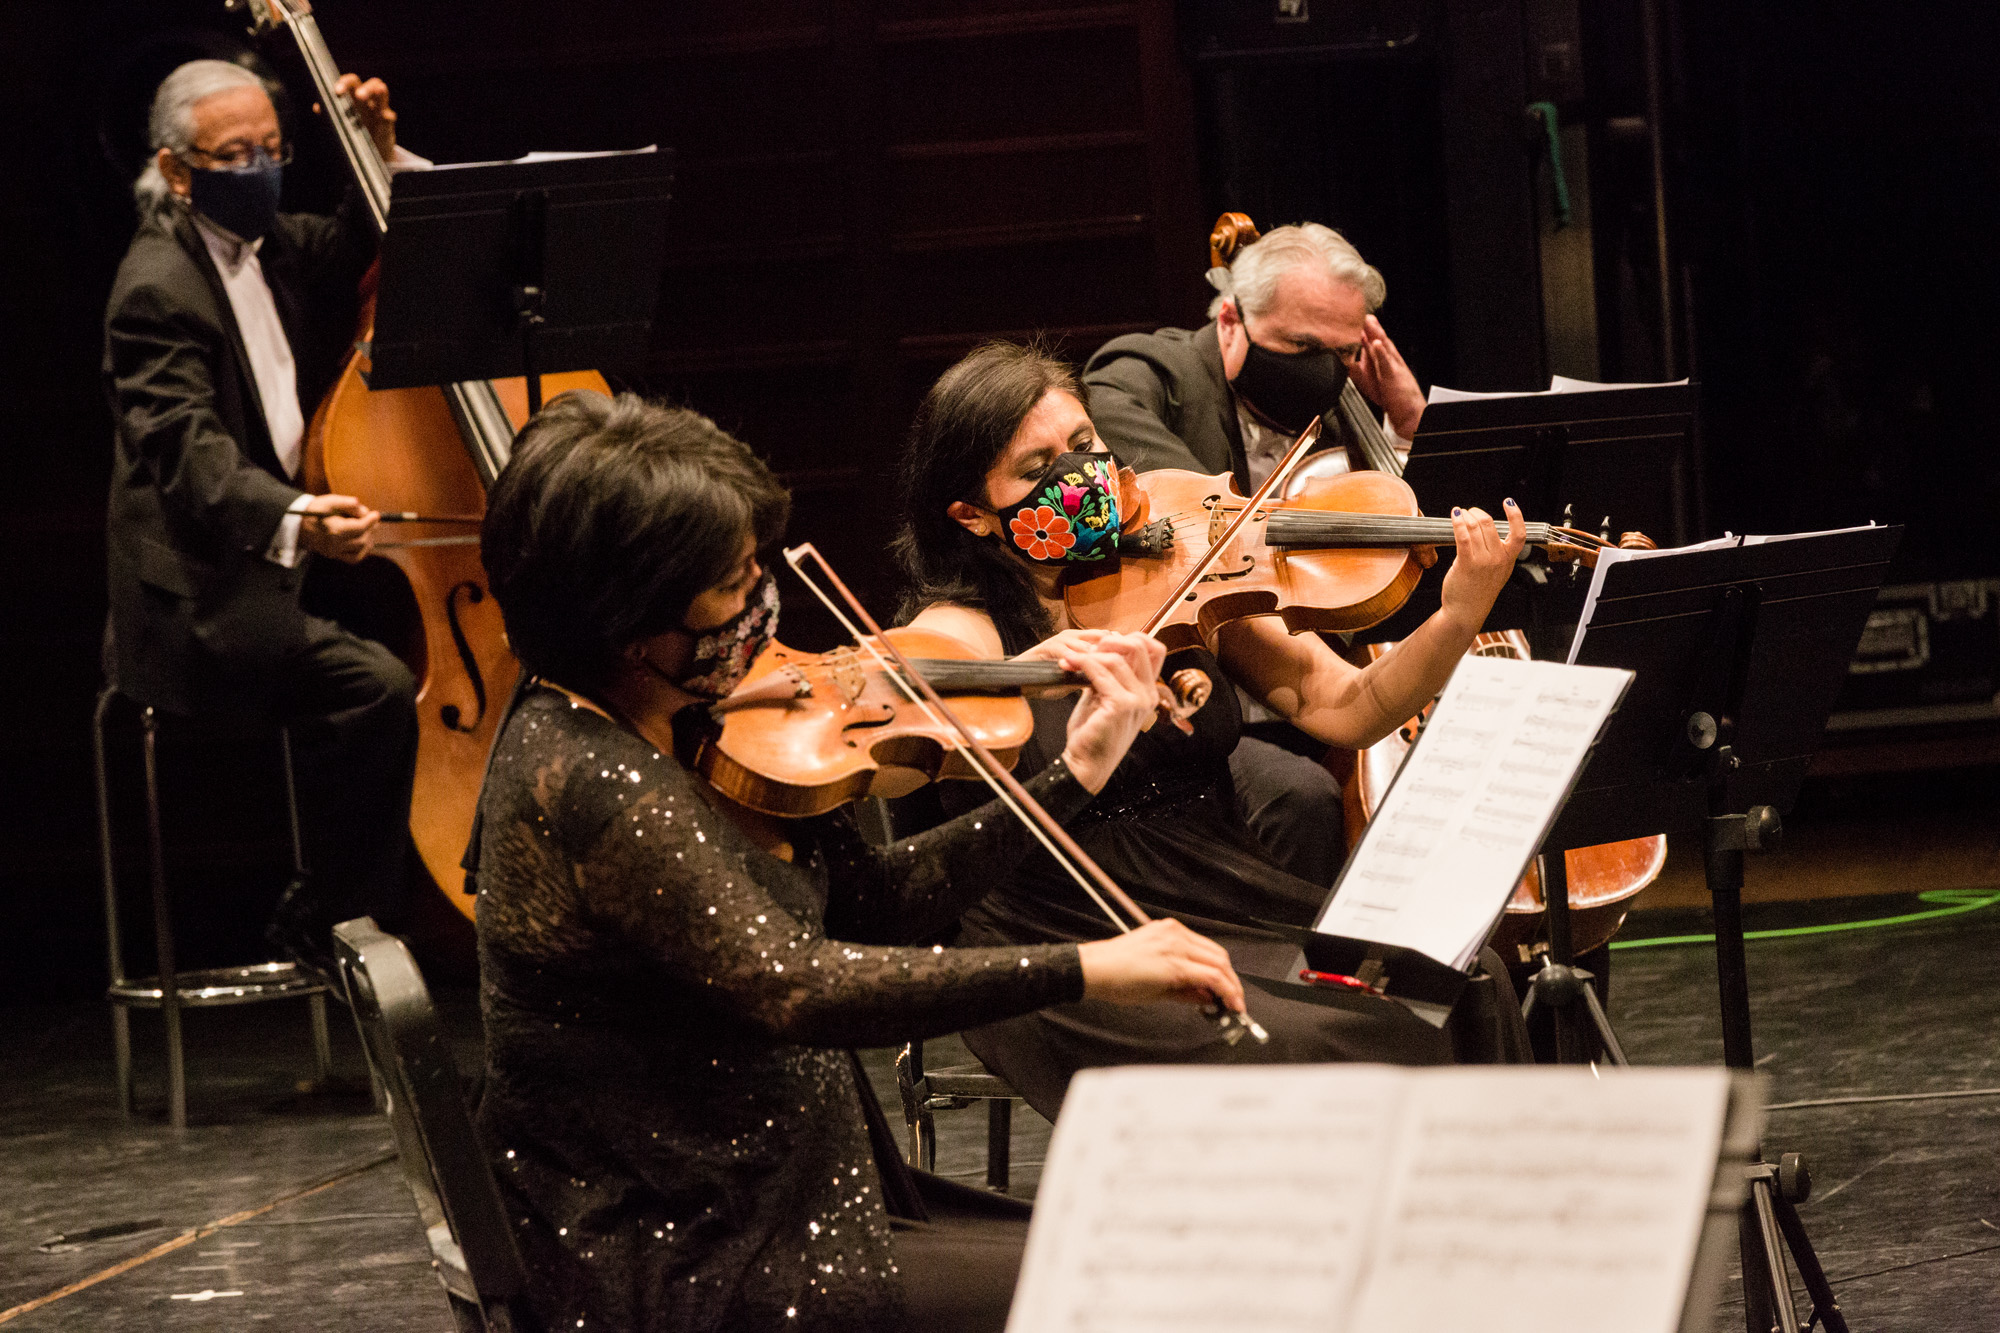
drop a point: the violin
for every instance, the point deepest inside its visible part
(1602, 879)
(1341, 554)
(1117, 905)
(425, 457)
(804, 734)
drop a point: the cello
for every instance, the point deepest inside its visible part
(1603, 879)
(421, 453)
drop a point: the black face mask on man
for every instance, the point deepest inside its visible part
(1289, 389)
(241, 200)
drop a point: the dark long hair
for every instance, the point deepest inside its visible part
(961, 427)
(612, 517)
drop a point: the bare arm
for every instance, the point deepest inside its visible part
(1304, 681)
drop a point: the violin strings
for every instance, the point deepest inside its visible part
(794, 557)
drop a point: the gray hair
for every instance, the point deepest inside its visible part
(1252, 278)
(171, 124)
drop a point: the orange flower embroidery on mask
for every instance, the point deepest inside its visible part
(1042, 533)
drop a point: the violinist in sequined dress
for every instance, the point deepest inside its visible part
(668, 981)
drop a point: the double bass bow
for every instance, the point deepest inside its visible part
(427, 456)
(1117, 905)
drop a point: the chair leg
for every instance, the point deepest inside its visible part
(999, 1143)
(292, 802)
(163, 929)
(322, 1042)
(114, 948)
(121, 1055)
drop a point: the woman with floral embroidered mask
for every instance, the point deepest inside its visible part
(667, 980)
(1004, 487)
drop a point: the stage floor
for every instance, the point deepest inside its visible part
(1905, 1210)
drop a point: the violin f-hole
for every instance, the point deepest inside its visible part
(474, 594)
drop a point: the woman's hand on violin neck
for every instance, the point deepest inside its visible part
(1121, 699)
(1063, 643)
(1484, 563)
(1161, 960)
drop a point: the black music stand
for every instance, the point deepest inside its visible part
(1740, 653)
(1578, 459)
(523, 268)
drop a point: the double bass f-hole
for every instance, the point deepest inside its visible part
(474, 594)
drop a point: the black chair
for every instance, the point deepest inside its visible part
(926, 1092)
(171, 990)
(472, 1246)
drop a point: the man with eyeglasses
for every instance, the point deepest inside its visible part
(226, 325)
(1294, 321)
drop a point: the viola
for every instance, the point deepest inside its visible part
(427, 455)
(806, 733)
(1602, 879)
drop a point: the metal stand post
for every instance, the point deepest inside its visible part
(1561, 985)
(1770, 1225)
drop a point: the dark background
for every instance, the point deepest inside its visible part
(870, 187)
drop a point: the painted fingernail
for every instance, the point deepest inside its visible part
(1456, 511)
(1509, 502)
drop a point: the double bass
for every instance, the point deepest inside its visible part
(421, 452)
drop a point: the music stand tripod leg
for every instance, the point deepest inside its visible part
(1771, 1225)
(1560, 984)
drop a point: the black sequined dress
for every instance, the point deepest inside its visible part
(673, 1124)
(1166, 828)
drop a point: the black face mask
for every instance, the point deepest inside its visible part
(1289, 389)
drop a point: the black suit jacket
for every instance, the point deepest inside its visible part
(1161, 400)
(199, 617)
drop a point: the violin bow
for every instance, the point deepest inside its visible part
(1055, 839)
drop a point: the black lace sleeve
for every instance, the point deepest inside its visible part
(916, 887)
(655, 864)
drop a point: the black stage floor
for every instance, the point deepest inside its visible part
(1905, 1210)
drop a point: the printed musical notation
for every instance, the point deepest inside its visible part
(1471, 805)
(1362, 1197)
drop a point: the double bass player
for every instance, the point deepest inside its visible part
(226, 323)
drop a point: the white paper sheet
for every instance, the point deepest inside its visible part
(1187, 1200)
(545, 157)
(1274, 1199)
(1471, 804)
(1557, 384)
(1511, 1186)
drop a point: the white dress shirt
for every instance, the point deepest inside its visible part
(270, 353)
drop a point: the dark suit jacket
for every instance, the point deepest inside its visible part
(199, 617)
(1161, 400)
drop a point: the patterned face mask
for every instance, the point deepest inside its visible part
(722, 656)
(1070, 515)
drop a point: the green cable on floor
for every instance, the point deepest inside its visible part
(1960, 900)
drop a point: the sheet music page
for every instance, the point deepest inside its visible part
(1521, 1192)
(1613, 555)
(1192, 1199)
(1470, 806)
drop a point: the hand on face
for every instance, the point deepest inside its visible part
(1121, 699)
(1385, 380)
(1485, 560)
